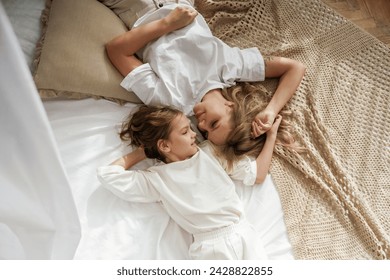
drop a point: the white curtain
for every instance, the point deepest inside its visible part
(38, 218)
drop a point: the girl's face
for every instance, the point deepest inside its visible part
(181, 142)
(214, 117)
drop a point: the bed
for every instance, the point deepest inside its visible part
(332, 202)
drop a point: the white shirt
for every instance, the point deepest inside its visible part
(182, 66)
(197, 193)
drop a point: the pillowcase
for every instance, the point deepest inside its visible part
(71, 61)
(127, 10)
(130, 10)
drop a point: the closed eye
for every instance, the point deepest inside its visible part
(214, 124)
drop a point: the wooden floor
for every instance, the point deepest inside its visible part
(371, 15)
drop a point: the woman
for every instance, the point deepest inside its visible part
(170, 57)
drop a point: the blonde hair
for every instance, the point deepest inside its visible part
(250, 100)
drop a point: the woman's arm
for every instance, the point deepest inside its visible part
(121, 49)
(130, 159)
(290, 73)
(263, 160)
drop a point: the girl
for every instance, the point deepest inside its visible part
(170, 57)
(188, 180)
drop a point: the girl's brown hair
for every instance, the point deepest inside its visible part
(146, 126)
(250, 100)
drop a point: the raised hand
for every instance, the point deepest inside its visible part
(262, 123)
(180, 17)
(275, 126)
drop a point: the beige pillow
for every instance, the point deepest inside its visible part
(128, 10)
(72, 62)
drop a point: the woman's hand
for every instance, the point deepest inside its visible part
(180, 17)
(264, 158)
(275, 126)
(262, 123)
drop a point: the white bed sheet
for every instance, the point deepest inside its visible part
(86, 133)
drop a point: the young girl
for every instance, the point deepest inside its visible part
(190, 183)
(170, 57)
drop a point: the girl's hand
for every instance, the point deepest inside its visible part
(180, 17)
(262, 123)
(131, 158)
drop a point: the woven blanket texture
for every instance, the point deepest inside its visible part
(336, 195)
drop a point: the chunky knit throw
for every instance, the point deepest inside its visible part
(336, 195)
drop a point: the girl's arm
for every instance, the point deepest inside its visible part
(263, 160)
(121, 49)
(129, 185)
(130, 159)
(291, 73)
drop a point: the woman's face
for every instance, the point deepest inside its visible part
(181, 142)
(214, 117)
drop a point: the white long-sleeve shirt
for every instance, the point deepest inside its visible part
(197, 193)
(182, 66)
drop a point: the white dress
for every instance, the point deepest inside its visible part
(182, 66)
(200, 197)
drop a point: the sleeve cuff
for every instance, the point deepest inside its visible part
(250, 179)
(255, 65)
(128, 81)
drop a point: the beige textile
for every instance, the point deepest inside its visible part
(336, 196)
(71, 61)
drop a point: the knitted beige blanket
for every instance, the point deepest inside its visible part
(336, 196)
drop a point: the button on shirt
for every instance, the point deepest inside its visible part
(182, 66)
